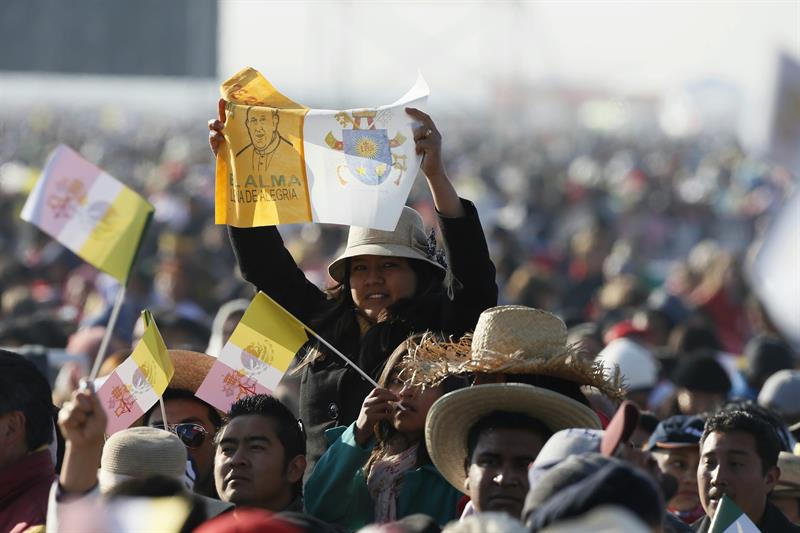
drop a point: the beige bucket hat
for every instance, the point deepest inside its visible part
(141, 452)
(407, 240)
(789, 482)
(511, 340)
(453, 415)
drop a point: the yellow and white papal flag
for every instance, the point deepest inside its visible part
(284, 163)
(89, 212)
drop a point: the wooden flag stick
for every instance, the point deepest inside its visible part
(326, 343)
(163, 413)
(112, 321)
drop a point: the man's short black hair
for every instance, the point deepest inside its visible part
(23, 388)
(768, 444)
(504, 420)
(287, 427)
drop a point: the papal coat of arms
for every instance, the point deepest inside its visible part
(368, 151)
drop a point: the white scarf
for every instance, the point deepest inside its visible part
(384, 482)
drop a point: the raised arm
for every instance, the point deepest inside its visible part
(262, 257)
(429, 143)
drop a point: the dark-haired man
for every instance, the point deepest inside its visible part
(193, 420)
(261, 456)
(500, 448)
(26, 430)
(738, 458)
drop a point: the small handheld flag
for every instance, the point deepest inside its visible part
(256, 356)
(730, 519)
(137, 384)
(89, 212)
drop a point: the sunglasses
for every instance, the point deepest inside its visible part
(192, 435)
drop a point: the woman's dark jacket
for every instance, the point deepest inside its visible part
(330, 392)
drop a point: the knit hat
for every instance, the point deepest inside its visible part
(407, 240)
(764, 356)
(701, 373)
(781, 393)
(141, 452)
(634, 363)
(613, 483)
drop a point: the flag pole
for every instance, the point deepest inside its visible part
(326, 343)
(112, 321)
(163, 412)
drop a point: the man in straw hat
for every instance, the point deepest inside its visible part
(194, 421)
(527, 386)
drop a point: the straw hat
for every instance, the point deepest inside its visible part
(453, 415)
(789, 482)
(513, 340)
(407, 240)
(191, 368)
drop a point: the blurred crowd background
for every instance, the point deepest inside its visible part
(629, 215)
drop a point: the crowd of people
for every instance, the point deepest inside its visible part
(576, 346)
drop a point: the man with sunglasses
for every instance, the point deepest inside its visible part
(189, 417)
(261, 456)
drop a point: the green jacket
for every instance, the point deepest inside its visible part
(336, 492)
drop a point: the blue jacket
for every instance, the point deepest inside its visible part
(337, 492)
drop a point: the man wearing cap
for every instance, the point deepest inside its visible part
(527, 386)
(26, 430)
(194, 421)
(675, 445)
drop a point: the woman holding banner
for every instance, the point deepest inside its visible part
(389, 286)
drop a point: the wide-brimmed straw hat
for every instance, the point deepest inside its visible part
(191, 368)
(453, 415)
(407, 240)
(513, 340)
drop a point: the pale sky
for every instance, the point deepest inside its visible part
(332, 53)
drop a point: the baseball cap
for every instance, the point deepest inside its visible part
(677, 432)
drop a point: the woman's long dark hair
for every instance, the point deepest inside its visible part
(386, 436)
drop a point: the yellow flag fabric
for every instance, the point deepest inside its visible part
(256, 356)
(261, 177)
(152, 358)
(89, 212)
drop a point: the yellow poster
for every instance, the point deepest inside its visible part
(260, 170)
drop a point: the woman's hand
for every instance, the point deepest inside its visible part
(377, 406)
(429, 143)
(215, 137)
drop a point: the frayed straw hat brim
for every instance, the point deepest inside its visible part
(453, 415)
(430, 362)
